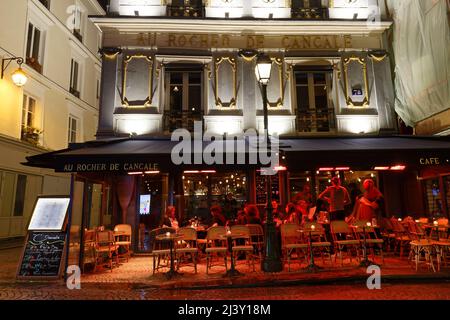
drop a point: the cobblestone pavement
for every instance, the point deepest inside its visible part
(356, 291)
(134, 281)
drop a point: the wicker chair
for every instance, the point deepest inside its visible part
(106, 249)
(256, 238)
(402, 237)
(187, 247)
(216, 246)
(125, 240)
(291, 242)
(372, 240)
(246, 247)
(344, 240)
(319, 240)
(160, 250)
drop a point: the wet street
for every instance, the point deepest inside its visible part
(356, 291)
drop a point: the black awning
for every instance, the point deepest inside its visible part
(149, 154)
(366, 152)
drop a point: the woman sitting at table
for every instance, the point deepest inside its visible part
(252, 214)
(292, 216)
(169, 219)
(218, 219)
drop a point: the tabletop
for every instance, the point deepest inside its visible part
(172, 236)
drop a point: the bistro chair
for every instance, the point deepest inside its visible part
(319, 240)
(291, 242)
(256, 238)
(344, 240)
(124, 236)
(186, 248)
(387, 233)
(216, 246)
(372, 240)
(90, 254)
(106, 249)
(422, 248)
(160, 250)
(402, 237)
(245, 247)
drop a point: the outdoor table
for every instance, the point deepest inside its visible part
(171, 238)
(365, 262)
(230, 236)
(436, 228)
(312, 267)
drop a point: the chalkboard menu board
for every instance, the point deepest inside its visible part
(42, 255)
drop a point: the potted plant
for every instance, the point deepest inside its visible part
(31, 135)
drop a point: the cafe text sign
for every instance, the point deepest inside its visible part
(241, 41)
(111, 167)
(430, 161)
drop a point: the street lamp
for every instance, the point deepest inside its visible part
(272, 259)
(18, 77)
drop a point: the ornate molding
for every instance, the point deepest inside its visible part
(148, 101)
(217, 63)
(350, 102)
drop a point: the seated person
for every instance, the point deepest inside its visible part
(218, 219)
(169, 219)
(252, 214)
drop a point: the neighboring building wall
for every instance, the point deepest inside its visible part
(422, 58)
(360, 95)
(52, 103)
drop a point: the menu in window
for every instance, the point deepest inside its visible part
(49, 214)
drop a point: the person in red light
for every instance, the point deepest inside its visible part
(218, 219)
(337, 197)
(370, 204)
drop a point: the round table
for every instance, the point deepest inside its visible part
(230, 236)
(171, 239)
(365, 262)
(312, 267)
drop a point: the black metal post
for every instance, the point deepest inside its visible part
(272, 259)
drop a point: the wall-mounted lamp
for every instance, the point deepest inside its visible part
(19, 77)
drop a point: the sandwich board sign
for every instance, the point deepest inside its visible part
(45, 245)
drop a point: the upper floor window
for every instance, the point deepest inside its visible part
(314, 108)
(184, 95)
(29, 130)
(45, 3)
(309, 9)
(34, 47)
(75, 78)
(186, 8)
(72, 130)
(78, 22)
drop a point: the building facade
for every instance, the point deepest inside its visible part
(170, 63)
(58, 104)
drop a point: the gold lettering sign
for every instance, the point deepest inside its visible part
(430, 161)
(207, 41)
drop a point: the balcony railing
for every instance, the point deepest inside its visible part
(181, 120)
(185, 11)
(309, 13)
(316, 120)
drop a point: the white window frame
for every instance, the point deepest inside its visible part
(79, 24)
(70, 129)
(74, 62)
(25, 110)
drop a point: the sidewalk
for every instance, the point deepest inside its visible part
(137, 273)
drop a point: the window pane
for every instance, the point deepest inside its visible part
(320, 78)
(176, 98)
(20, 195)
(302, 98)
(30, 38)
(321, 97)
(36, 43)
(195, 78)
(24, 110)
(195, 98)
(301, 78)
(176, 78)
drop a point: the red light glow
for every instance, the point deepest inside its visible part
(152, 172)
(135, 173)
(326, 169)
(280, 168)
(398, 168)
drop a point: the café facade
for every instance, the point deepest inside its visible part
(170, 66)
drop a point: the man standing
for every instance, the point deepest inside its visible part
(337, 197)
